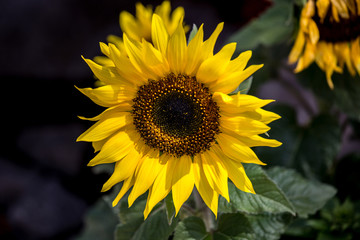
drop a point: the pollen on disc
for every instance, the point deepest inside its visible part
(177, 115)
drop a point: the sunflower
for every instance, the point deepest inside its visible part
(170, 123)
(139, 26)
(329, 34)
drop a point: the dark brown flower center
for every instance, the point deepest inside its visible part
(343, 31)
(177, 115)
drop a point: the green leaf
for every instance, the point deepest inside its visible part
(320, 145)
(306, 196)
(269, 226)
(268, 198)
(191, 228)
(244, 87)
(235, 225)
(193, 32)
(134, 227)
(311, 149)
(130, 218)
(299, 228)
(331, 236)
(318, 224)
(251, 227)
(127, 214)
(100, 222)
(273, 26)
(156, 226)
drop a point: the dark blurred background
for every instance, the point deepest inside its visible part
(45, 186)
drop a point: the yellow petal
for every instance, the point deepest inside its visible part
(239, 63)
(182, 181)
(106, 126)
(307, 58)
(328, 73)
(106, 74)
(152, 56)
(235, 104)
(203, 53)
(194, 52)
(267, 116)
(341, 8)
(309, 9)
(206, 192)
(134, 51)
(146, 174)
(123, 169)
(163, 10)
(129, 26)
(159, 34)
(107, 112)
(327, 61)
(215, 173)
(143, 15)
(313, 32)
(125, 187)
(171, 22)
(145, 58)
(298, 47)
(355, 52)
(104, 61)
(162, 184)
(235, 171)
(105, 49)
(342, 51)
(109, 96)
(335, 13)
(208, 46)
(236, 150)
(212, 68)
(118, 42)
(256, 141)
(155, 61)
(243, 125)
(176, 15)
(238, 176)
(99, 144)
(228, 83)
(177, 50)
(125, 68)
(322, 8)
(117, 147)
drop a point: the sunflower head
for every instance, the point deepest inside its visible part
(139, 26)
(169, 123)
(180, 115)
(329, 34)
